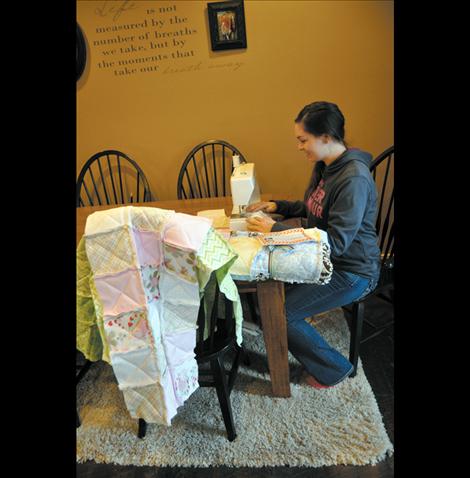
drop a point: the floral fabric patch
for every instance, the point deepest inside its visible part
(180, 262)
(128, 331)
(151, 281)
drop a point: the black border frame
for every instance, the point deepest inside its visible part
(238, 7)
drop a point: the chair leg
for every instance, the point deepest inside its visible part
(142, 428)
(86, 366)
(251, 305)
(221, 387)
(245, 356)
(233, 372)
(83, 370)
(356, 332)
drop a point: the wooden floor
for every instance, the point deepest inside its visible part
(378, 361)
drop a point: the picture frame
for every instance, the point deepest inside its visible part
(227, 25)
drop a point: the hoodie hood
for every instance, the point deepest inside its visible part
(349, 155)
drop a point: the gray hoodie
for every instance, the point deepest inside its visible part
(344, 204)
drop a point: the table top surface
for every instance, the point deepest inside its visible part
(187, 206)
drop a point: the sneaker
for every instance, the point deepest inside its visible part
(309, 380)
(312, 382)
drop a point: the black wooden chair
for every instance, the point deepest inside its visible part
(212, 351)
(385, 227)
(111, 177)
(206, 171)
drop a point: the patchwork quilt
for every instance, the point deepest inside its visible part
(141, 274)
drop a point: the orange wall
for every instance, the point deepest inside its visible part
(298, 52)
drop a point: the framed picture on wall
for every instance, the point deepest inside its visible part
(227, 25)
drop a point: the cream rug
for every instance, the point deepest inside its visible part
(342, 425)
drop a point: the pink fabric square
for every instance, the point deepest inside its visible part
(121, 292)
(179, 346)
(149, 247)
(186, 231)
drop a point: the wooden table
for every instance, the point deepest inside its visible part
(270, 293)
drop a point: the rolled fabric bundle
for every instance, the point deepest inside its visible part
(303, 262)
(307, 262)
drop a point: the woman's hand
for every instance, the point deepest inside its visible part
(266, 206)
(259, 224)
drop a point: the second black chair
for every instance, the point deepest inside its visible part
(111, 177)
(206, 171)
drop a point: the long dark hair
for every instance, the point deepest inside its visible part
(318, 118)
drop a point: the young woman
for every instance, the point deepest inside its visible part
(341, 199)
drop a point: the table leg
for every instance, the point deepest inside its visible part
(273, 317)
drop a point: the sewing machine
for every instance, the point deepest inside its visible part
(244, 187)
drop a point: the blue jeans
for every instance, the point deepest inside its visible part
(320, 360)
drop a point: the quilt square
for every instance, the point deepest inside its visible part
(128, 331)
(147, 402)
(179, 347)
(185, 380)
(136, 368)
(150, 218)
(149, 247)
(120, 293)
(177, 291)
(186, 232)
(103, 221)
(151, 281)
(179, 318)
(154, 310)
(110, 252)
(181, 263)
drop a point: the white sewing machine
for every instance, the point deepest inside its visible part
(244, 187)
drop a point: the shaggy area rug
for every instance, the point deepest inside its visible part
(314, 428)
